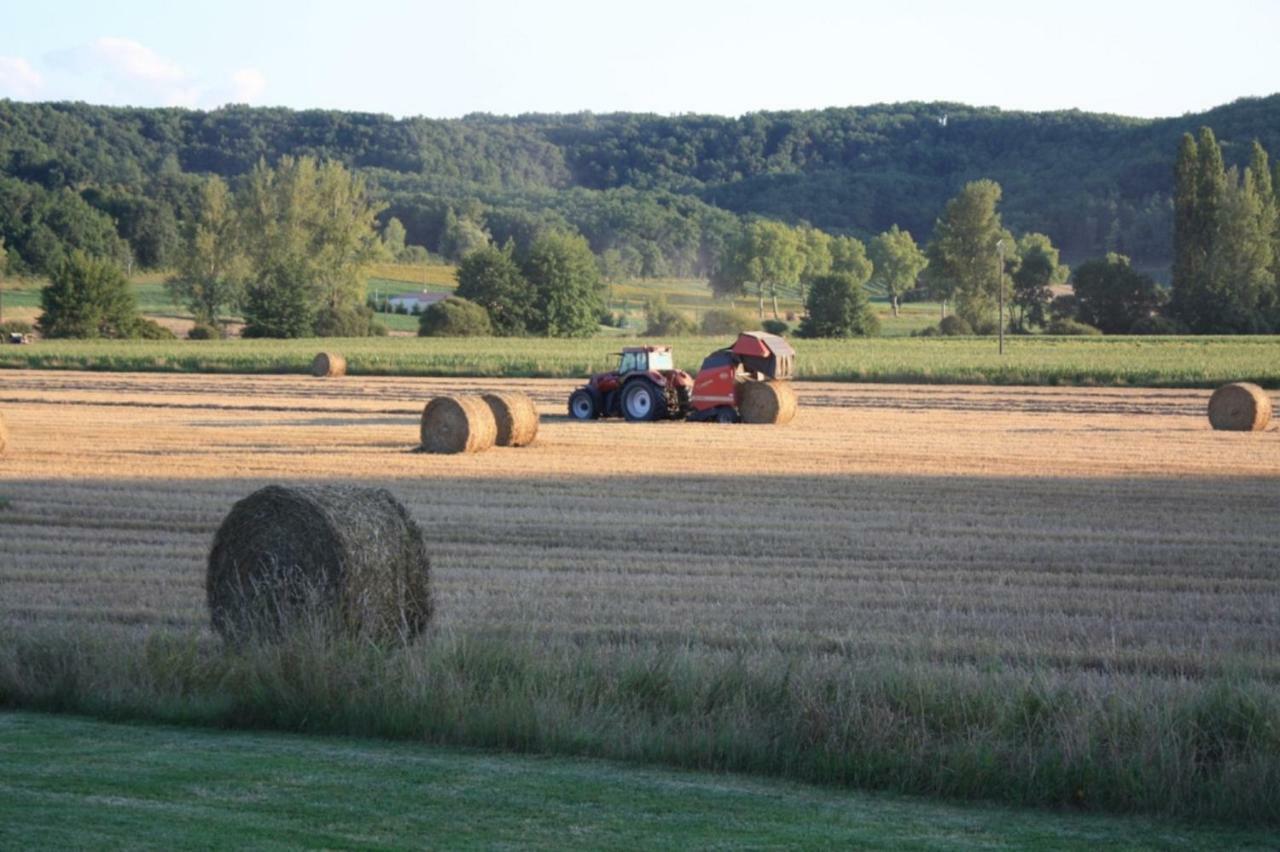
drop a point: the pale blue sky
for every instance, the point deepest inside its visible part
(449, 59)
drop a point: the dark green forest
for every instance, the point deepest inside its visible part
(655, 195)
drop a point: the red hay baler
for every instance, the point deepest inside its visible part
(647, 386)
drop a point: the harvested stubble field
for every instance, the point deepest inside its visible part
(1035, 595)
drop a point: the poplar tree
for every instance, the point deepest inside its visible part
(963, 254)
(1188, 253)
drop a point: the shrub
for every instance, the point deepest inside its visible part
(927, 331)
(1158, 325)
(14, 327)
(719, 321)
(204, 331)
(149, 329)
(775, 326)
(1063, 307)
(454, 317)
(661, 320)
(1072, 327)
(348, 322)
(954, 326)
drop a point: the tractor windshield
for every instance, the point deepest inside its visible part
(661, 361)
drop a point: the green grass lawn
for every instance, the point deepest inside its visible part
(71, 783)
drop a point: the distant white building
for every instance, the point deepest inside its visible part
(418, 302)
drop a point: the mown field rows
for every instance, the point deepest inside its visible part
(1103, 544)
(1146, 362)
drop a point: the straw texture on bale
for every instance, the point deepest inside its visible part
(767, 402)
(344, 559)
(328, 365)
(515, 416)
(458, 424)
(1240, 407)
(4, 435)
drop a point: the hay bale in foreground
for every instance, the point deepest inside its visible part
(1240, 407)
(4, 435)
(458, 424)
(328, 365)
(767, 402)
(516, 417)
(341, 559)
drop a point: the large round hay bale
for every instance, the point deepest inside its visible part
(341, 559)
(4, 435)
(458, 424)
(1240, 407)
(767, 402)
(328, 365)
(515, 416)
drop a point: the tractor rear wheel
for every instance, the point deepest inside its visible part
(643, 401)
(582, 405)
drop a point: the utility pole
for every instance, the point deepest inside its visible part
(1000, 288)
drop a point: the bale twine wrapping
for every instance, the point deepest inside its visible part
(516, 417)
(342, 559)
(767, 402)
(1240, 407)
(458, 424)
(328, 365)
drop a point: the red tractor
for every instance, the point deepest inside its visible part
(647, 386)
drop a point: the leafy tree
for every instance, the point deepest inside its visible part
(88, 298)
(897, 263)
(393, 238)
(454, 317)
(280, 302)
(963, 254)
(1112, 296)
(211, 267)
(773, 257)
(462, 235)
(309, 228)
(815, 246)
(1038, 270)
(838, 307)
(491, 278)
(567, 292)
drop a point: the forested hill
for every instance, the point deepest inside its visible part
(661, 188)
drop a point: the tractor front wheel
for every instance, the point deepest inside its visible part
(643, 401)
(582, 405)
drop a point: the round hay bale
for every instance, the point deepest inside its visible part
(767, 402)
(328, 365)
(342, 559)
(458, 424)
(1240, 407)
(4, 435)
(516, 417)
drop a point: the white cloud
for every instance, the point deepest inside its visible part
(136, 60)
(247, 85)
(116, 70)
(18, 79)
(127, 71)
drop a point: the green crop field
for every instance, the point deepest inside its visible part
(1039, 360)
(72, 783)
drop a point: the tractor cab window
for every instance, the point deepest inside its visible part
(632, 362)
(661, 361)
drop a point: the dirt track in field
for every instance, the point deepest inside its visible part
(1073, 528)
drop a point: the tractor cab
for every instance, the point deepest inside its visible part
(643, 359)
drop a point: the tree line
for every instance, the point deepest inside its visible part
(653, 194)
